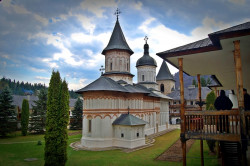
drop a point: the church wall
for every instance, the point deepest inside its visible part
(102, 108)
(149, 73)
(168, 85)
(120, 61)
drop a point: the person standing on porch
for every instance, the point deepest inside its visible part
(223, 103)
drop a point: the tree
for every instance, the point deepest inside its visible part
(38, 117)
(194, 83)
(76, 120)
(203, 82)
(25, 117)
(210, 99)
(57, 118)
(7, 113)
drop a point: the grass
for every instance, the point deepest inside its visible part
(14, 154)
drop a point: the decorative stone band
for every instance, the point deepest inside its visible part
(114, 115)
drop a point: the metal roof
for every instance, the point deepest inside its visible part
(195, 45)
(134, 89)
(129, 120)
(146, 59)
(118, 72)
(190, 93)
(103, 84)
(164, 73)
(117, 40)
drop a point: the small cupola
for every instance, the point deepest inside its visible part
(146, 59)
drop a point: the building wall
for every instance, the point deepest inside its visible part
(148, 72)
(168, 85)
(120, 61)
(101, 108)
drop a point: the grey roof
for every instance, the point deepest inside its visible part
(240, 27)
(18, 100)
(164, 73)
(117, 72)
(121, 82)
(212, 43)
(129, 120)
(151, 93)
(135, 89)
(147, 83)
(117, 40)
(146, 59)
(195, 45)
(103, 84)
(190, 93)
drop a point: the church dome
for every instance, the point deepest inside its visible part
(146, 59)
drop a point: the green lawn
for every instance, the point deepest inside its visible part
(14, 154)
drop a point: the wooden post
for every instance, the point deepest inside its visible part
(240, 96)
(199, 96)
(183, 120)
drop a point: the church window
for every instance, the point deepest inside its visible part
(162, 87)
(142, 77)
(89, 125)
(110, 66)
(122, 135)
(127, 66)
(137, 134)
(191, 103)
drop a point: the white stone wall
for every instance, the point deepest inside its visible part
(149, 73)
(120, 61)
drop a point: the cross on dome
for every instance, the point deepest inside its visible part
(146, 39)
(117, 13)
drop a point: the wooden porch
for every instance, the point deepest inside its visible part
(225, 55)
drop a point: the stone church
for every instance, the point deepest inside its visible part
(117, 112)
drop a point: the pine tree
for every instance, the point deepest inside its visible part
(25, 117)
(57, 117)
(210, 99)
(194, 83)
(76, 120)
(7, 113)
(38, 117)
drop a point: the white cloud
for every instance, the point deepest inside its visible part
(42, 78)
(86, 23)
(37, 70)
(97, 7)
(209, 25)
(21, 10)
(239, 2)
(137, 5)
(5, 56)
(78, 85)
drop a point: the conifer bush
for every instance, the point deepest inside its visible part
(57, 118)
(25, 117)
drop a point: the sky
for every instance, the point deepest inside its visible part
(39, 36)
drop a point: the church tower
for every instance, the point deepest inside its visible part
(165, 79)
(117, 56)
(146, 69)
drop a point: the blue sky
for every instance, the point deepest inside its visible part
(39, 36)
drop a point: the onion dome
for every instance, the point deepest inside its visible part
(146, 59)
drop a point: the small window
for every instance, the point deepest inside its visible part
(127, 66)
(89, 126)
(137, 134)
(192, 103)
(110, 66)
(142, 77)
(162, 87)
(174, 102)
(122, 135)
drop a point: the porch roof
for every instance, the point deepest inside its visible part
(214, 56)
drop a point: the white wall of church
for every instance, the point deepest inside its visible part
(117, 61)
(146, 74)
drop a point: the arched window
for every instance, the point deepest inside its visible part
(110, 66)
(142, 78)
(162, 87)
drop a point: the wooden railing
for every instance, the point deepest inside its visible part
(213, 125)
